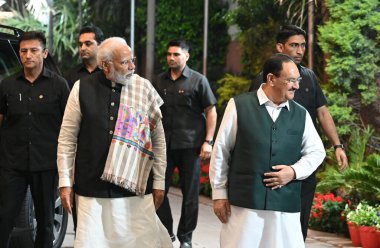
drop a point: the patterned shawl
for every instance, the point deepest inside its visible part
(130, 157)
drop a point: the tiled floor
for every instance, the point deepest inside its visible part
(207, 233)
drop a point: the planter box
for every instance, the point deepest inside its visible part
(369, 237)
(354, 234)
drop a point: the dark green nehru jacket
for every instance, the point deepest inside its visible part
(261, 144)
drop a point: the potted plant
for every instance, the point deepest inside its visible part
(353, 227)
(367, 219)
(378, 231)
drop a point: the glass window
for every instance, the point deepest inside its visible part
(9, 62)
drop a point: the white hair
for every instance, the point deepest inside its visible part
(107, 47)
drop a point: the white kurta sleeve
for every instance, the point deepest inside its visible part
(313, 151)
(159, 149)
(220, 157)
(68, 137)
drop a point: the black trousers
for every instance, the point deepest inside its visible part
(13, 186)
(188, 163)
(307, 197)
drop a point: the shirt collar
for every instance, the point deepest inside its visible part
(263, 99)
(185, 72)
(45, 73)
(82, 68)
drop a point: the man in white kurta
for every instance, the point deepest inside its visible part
(247, 227)
(112, 133)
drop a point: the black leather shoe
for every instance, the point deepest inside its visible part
(185, 245)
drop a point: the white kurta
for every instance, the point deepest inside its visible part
(250, 228)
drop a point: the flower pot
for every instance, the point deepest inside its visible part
(354, 234)
(368, 237)
(378, 236)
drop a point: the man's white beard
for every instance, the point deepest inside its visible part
(120, 78)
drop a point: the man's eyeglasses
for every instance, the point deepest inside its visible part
(293, 80)
(127, 61)
(124, 62)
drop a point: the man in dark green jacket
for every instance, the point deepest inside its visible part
(266, 143)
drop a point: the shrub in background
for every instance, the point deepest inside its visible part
(327, 213)
(205, 187)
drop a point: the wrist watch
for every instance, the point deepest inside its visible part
(210, 142)
(339, 146)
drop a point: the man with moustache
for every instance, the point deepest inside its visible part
(265, 145)
(113, 118)
(90, 38)
(291, 40)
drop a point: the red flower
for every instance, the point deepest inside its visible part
(204, 179)
(205, 168)
(327, 208)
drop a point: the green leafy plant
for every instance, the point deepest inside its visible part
(351, 37)
(360, 181)
(257, 36)
(65, 27)
(342, 113)
(364, 215)
(186, 21)
(231, 86)
(327, 213)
